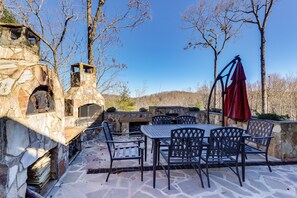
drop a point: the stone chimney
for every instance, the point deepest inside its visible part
(83, 75)
(19, 42)
(83, 102)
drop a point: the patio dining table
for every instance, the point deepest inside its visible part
(157, 132)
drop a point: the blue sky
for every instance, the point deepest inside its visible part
(156, 59)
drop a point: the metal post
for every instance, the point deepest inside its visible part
(220, 78)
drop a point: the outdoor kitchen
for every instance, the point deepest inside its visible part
(38, 139)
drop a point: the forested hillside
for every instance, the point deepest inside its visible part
(282, 97)
(173, 98)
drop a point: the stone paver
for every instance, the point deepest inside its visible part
(184, 183)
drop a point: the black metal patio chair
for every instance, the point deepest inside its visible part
(134, 134)
(122, 150)
(186, 119)
(260, 132)
(185, 148)
(223, 149)
(159, 120)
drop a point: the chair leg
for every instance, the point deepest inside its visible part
(267, 161)
(139, 152)
(237, 171)
(158, 151)
(141, 164)
(168, 176)
(207, 175)
(109, 172)
(145, 147)
(200, 175)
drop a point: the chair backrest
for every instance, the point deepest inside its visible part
(185, 119)
(186, 142)
(108, 135)
(225, 142)
(260, 128)
(161, 119)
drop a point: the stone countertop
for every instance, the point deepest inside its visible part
(72, 132)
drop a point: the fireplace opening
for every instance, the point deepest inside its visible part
(41, 101)
(89, 110)
(135, 126)
(173, 117)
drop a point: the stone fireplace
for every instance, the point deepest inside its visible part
(83, 102)
(127, 121)
(32, 121)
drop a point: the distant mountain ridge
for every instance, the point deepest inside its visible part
(168, 98)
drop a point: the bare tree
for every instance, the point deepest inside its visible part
(103, 32)
(51, 25)
(212, 21)
(136, 12)
(282, 95)
(108, 68)
(257, 12)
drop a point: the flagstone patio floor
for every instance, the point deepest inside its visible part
(76, 183)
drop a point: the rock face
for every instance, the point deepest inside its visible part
(32, 111)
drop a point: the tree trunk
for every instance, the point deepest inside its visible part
(55, 62)
(263, 72)
(91, 35)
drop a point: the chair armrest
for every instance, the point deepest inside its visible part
(127, 133)
(125, 141)
(261, 137)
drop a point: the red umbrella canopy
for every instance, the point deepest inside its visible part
(236, 105)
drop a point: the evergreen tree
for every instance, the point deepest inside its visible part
(125, 103)
(6, 16)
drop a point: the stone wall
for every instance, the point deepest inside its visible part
(163, 110)
(22, 152)
(284, 144)
(122, 119)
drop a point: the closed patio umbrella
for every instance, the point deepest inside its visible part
(236, 104)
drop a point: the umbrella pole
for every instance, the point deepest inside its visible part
(220, 78)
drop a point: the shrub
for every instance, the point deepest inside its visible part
(272, 116)
(216, 110)
(111, 109)
(142, 109)
(194, 109)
